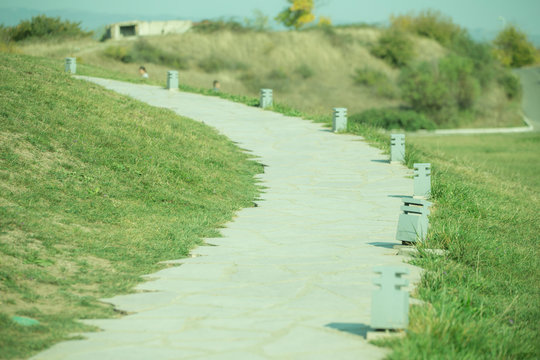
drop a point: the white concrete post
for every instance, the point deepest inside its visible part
(397, 148)
(339, 120)
(172, 80)
(390, 304)
(70, 65)
(266, 98)
(422, 180)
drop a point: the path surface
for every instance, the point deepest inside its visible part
(289, 279)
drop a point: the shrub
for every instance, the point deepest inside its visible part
(120, 53)
(305, 71)
(375, 80)
(393, 119)
(513, 48)
(443, 87)
(511, 85)
(429, 23)
(421, 88)
(481, 55)
(394, 47)
(42, 26)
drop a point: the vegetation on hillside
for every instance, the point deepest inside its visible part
(422, 63)
(95, 190)
(513, 48)
(41, 26)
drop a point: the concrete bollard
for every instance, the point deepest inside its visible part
(266, 98)
(339, 120)
(422, 181)
(390, 304)
(70, 65)
(397, 148)
(413, 223)
(172, 80)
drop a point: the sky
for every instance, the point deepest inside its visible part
(489, 15)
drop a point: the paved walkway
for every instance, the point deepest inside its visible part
(289, 279)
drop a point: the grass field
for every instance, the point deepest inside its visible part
(483, 297)
(95, 190)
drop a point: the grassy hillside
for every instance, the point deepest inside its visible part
(95, 189)
(483, 297)
(312, 71)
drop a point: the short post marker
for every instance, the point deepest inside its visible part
(339, 120)
(397, 148)
(266, 98)
(390, 303)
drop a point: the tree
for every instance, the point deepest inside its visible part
(513, 48)
(299, 13)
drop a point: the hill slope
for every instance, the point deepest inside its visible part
(95, 189)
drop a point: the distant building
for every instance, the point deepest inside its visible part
(136, 28)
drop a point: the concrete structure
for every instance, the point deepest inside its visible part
(413, 222)
(397, 148)
(70, 65)
(422, 180)
(390, 304)
(136, 28)
(339, 120)
(266, 98)
(290, 278)
(172, 80)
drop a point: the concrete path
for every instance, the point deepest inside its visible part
(289, 279)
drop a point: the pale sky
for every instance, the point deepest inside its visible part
(473, 14)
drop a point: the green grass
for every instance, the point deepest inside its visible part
(95, 190)
(483, 296)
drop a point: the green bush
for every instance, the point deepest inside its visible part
(120, 53)
(440, 90)
(429, 23)
(375, 80)
(513, 48)
(42, 26)
(511, 85)
(305, 71)
(393, 119)
(481, 55)
(394, 47)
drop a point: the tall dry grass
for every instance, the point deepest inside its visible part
(312, 71)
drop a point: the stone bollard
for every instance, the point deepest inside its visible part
(397, 148)
(266, 98)
(422, 181)
(339, 120)
(413, 223)
(390, 304)
(172, 80)
(70, 65)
